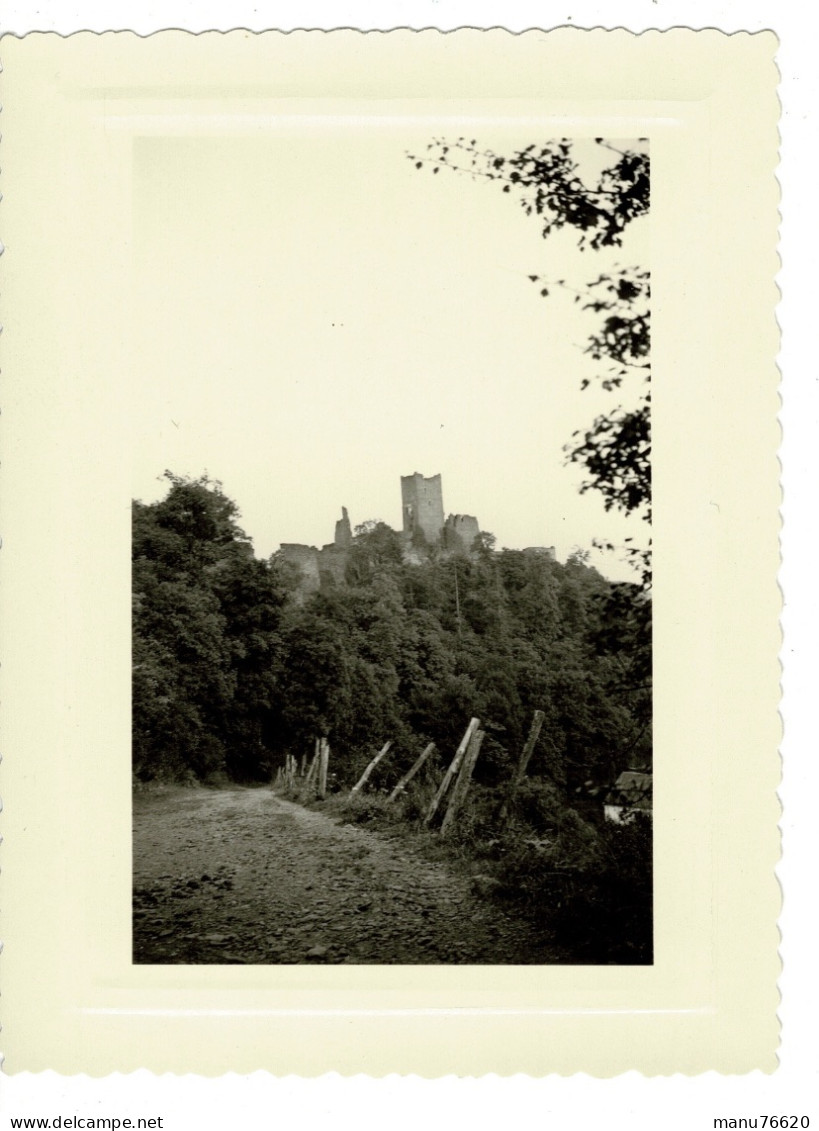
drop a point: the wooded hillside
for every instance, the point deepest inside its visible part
(238, 674)
(233, 671)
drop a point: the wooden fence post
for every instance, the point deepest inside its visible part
(324, 759)
(407, 778)
(534, 731)
(461, 786)
(454, 766)
(362, 780)
(311, 773)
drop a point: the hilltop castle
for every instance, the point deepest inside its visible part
(424, 529)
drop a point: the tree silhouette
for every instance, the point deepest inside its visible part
(615, 449)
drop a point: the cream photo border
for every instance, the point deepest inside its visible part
(72, 1000)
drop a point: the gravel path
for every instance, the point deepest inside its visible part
(243, 876)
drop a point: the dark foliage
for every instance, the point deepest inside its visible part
(235, 667)
(606, 911)
(206, 637)
(399, 654)
(548, 182)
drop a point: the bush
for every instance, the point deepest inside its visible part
(538, 804)
(592, 886)
(371, 810)
(475, 826)
(624, 894)
(414, 802)
(365, 808)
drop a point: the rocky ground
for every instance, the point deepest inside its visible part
(243, 876)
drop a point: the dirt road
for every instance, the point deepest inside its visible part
(243, 876)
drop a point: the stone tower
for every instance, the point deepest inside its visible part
(344, 535)
(422, 506)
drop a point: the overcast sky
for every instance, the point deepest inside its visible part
(321, 318)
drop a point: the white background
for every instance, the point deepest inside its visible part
(630, 1101)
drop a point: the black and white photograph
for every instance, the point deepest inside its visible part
(391, 514)
(392, 664)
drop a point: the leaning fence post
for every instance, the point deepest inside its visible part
(361, 781)
(416, 766)
(324, 759)
(461, 786)
(534, 731)
(311, 773)
(454, 766)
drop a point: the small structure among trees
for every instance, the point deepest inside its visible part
(630, 794)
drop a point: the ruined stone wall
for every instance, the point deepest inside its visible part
(332, 564)
(307, 560)
(540, 552)
(460, 532)
(325, 566)
(422, 505)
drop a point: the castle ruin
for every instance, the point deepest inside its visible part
(460, 532)
(423, 529)
(422, 507)
(329, 564)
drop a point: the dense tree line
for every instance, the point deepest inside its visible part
(234, 666)
(206, 621)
